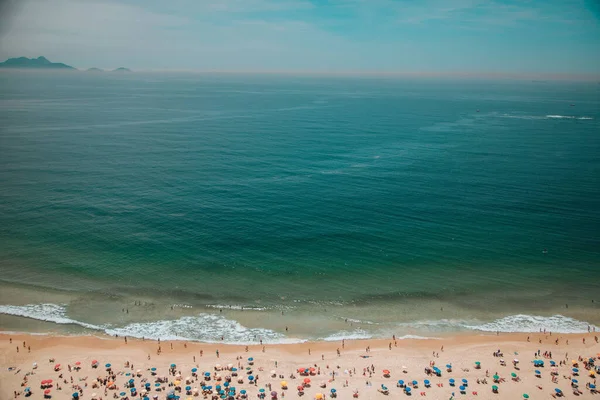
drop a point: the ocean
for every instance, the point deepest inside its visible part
(288, 208)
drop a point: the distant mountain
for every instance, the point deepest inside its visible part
(94, 70)
(39, 63)
(122, 69)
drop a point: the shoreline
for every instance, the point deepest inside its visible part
(461, 350)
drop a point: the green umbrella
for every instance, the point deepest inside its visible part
(513, 375)
(526, 396)
(477, 363)
(494, 388)
(496, 377)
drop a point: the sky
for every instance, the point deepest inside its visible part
(424, 36)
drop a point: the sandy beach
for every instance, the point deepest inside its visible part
(358, 367)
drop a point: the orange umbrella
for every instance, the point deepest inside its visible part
(312, 369)
(386, 371)
(57, 366)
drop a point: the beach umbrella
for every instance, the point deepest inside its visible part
(242, 391)
(552, 362)
(251, 378)
(386, 371)
(415, 383)
(451, 382)
(448, 365)
(462, 388)
(333, 390)
(477, 363)
(407, 389)
(575, 370)
(557, 390)
(122, 394)
(319, 396)
(401, 382)
(426, 382)
(47, 391)
(496, 377)
(495, 388)
(306, 380)
(188, 388)
(283, 383)
(107, 365)
(147, 384)
(194, 369)
(234, 369)
(156, 384)
(513, 374)
(76, 395)
(273, 393)
(464, 381)
(261, 390)
(173, 365)
(592, 386)
(226, 384)
(525, 396)
(537, 372)
(250, 359)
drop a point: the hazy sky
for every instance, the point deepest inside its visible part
(517, 36)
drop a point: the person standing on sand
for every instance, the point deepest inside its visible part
(217, 353)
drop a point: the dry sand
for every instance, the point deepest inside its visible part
(460, 350)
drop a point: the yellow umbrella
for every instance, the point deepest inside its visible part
(319, 396)
(177, 383)
(283, 383)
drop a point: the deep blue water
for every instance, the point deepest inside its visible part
(238, 188)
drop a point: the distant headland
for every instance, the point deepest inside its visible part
(43, 63)
(40, 62)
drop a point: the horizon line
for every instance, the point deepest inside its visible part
(366, 73)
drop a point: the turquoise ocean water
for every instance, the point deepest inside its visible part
(338, 207)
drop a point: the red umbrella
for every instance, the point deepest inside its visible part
(300, 388)
(95, 362)
(47, 391)
(306, 380)
(49, 381)
(43, 382)
(78, 363)
(57, 366)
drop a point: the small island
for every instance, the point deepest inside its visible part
(122, 69)
(37, 63)
(94, 69)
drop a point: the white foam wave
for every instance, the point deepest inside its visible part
(568, 117)
(533, 323)
(45, 312)
(347, 335)
(236, 307)
(202, 327)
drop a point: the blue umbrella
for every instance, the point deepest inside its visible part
(552, 362)
(152, 369)
(221, 392)
(333, 390)
(226, 384)
(251, 378)
(218, 387)
(451, 382)
(383, 387)
(28, 389)
(207, 374)
(232, 388)
(209, 387)
(123, 394)
(250, 359)
(261, 390)
(575, 370)
(448, 365)
(146, 398)
(147, 384)
(401, 382)
(592, 386)
(574, 381)
(415, 383)
(233, 369)
(173, 365)
(407, 389)
(131, 381)
(156, 384)
(462, 388)
(557, 390)
(537, 372)
(76, 395)
(188, 388)
(107, 365)
(194, 369)
(426, 382)
(132, 390)
(242, 391)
